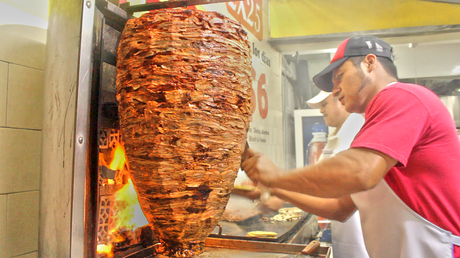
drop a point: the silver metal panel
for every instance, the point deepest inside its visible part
(170, 4)
(83, 233)
(445, 1)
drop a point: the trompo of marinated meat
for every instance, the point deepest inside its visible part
(184, 90)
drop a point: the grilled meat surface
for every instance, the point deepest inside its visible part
(184, 90)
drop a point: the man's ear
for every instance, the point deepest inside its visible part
(369, 62)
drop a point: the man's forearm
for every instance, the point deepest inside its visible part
(348, 172)
(331, 208)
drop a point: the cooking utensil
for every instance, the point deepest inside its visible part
(311, 248)
(264, 192)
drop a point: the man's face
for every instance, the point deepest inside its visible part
(351, 86)
(332, 111)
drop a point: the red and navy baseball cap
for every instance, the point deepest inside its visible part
(354, 46)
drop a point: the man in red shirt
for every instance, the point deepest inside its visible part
(403, 168)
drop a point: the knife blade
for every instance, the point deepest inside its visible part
(264, 192)
(243, 157)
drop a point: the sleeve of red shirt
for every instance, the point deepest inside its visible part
(395, 121)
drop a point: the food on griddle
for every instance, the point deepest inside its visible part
(262, 234)
(231, 217)
(184, 91)
(265, 219)
(287, 214)
(238, 215)
(289, 210)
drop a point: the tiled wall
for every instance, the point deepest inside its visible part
(22, 53)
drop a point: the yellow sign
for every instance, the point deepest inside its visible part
(296, 18)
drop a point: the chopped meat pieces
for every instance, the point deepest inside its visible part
(184, 90)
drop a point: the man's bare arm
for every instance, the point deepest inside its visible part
(331, 208)
(348, 172)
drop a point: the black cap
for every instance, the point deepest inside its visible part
(354, 46)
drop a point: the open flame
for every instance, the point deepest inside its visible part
(127, 213)
(119, 158)
(130, 215)
(105, 249)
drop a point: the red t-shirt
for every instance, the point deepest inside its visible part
(410, 124)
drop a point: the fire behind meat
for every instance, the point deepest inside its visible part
(184, 89)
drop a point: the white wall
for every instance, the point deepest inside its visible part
(13, 15)
(22, 54)
(21, 105)
(434, 59)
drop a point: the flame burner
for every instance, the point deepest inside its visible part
(120, 227)
(113, 233)
(109, 181)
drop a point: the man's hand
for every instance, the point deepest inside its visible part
(259, 168)
(252, 194)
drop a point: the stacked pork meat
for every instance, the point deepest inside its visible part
(184, 92)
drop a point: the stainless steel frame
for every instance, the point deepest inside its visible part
(445, 1)
(83, 199)
(168, 4)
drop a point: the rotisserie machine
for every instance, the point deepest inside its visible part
(101, 189)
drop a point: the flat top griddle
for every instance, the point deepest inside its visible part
(238, 230)
(224, 248)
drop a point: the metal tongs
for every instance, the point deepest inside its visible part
(264, 192)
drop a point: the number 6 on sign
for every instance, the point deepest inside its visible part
(262, 97)
(261, 94)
